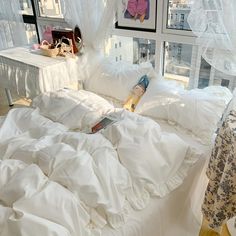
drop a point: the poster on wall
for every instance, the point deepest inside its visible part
(137, 15)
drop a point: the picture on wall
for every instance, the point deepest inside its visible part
(137, 15)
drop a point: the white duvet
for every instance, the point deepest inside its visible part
(57, 182)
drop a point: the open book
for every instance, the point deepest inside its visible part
(102, 124)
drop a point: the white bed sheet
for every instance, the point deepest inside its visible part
(177, 214)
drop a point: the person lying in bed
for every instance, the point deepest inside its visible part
(138, 90)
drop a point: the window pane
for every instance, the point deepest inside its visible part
(50, 8)
(31, 33)
(26, 7)
(133, 50)
(178, 62)
(225, 83)
(178, 11)
(204, 74)
(222, 79)
(183, 64)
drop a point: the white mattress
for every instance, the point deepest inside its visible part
(179, 213)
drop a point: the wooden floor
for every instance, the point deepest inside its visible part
(18, 102)
(205, 231)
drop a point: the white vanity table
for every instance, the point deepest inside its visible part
(28, 73)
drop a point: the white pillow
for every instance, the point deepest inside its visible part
(116, 79)
(195, 110)
(219, 91)
(75, 109)
(54, 104)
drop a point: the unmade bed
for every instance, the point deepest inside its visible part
(63, 181)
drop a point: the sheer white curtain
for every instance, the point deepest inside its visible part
(214, 22)
(12, 31)
(94, 17)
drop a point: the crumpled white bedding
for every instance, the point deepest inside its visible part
(87, 165)
(75, 109)
(57, 182)
(161, 158)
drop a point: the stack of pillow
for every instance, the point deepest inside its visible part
(116, 80)
(197, 110)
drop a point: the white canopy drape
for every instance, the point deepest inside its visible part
(213, 21)
(12, 30)
(94, 18)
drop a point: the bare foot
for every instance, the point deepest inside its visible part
(142, 17)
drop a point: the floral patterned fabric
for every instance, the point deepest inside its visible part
(220, 196)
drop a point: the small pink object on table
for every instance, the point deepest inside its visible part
(35, 46)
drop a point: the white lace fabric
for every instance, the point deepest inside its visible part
(213, 22)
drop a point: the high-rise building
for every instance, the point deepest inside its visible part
(178, 14)
(133, 50)
(120, 48)
(50, 8)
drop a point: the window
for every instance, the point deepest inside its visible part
(178, 62)
(29, 17)
(172, 49)
(39, 15)
(31, 33)
(26, 7)
(181, 10)
(134, 50)
(50, 8)
(204, 74)
(50, 15)
(203, 83)
(225, 83)
(220, 78)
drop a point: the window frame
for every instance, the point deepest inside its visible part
(32, 19)
(165, 18)
(164, 34)
(38, 20)
(161, 35)
(42, 20)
